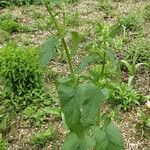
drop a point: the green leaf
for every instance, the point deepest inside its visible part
(109, 138)
(3, 123)
(53, 111)
(111, 55)
(148, 122)
(87, 61)
(75, 42)
(71, 142)
(48, 50)
(88, 142)
(93, 98)
(70, 103)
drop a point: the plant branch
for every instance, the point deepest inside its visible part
(63, 39)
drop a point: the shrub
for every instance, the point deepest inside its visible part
(20, 69)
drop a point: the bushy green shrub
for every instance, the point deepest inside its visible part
(20, 69)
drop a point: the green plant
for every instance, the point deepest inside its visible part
(138, 51)
(41, 138)
(132, 69)
(22, 88)
(132, 21)
(147, 12)
(20, 73)
(10, 25)
(73, 19)
(105, 6)
(124, 96)
(4, 36)
(5, 3)
(3, 144)
(80, 100)
(36, 114)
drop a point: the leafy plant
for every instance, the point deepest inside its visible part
(20, 73)
(132, 69)
(4, 36)
(3, 144)
(138, 51)
(124, 96)
(132, 21)
(5, 3)
(41, 138)
(105, 6)
(80, 100)
(10, 25)
(73, 19)
(36, 114)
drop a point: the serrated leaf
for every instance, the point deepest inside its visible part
(87, 61)
(93, 98)
(48, 50)
(71, 142)
(88, 142)
(70, 103)
(112, 57)
(109, 138)
(75, 42)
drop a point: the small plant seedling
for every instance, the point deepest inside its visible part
(73, 19)
(10, 25)
(105, 6)
(124, 96)
(132, 21)
(132, 69)
(41, 138)
(138, 51)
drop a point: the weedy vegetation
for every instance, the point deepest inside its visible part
(81, 78)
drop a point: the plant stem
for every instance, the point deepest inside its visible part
(103, 65)
(63, 39)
